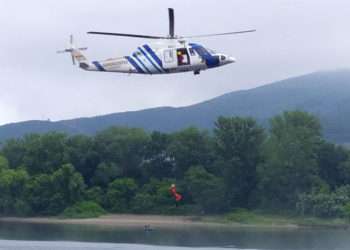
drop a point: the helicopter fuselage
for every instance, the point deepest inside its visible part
(162, 58)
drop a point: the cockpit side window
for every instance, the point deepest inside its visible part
(192, 53)
(211, 51)
(201, 51)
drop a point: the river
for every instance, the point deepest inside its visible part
(20, 236)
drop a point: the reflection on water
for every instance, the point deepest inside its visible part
(246, 238)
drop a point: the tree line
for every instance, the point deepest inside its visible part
(288, 168)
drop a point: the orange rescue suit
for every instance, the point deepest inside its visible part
(177, 196)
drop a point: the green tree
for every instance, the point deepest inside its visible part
(238, 143)
(12, 185)
(44, 153)
(38, 193)
(155, 197)
(68, 184)
(95, 194)
(207, 190)
(324, 203)
(124, 147)
(81, 154)
(51, 194)
(14, 151)
(159, 189)
(120, 193)
(105, 173)
(333, 162)
(143, 203)
(158, 163)
(4, 164)
(290, 166)
(189, 147)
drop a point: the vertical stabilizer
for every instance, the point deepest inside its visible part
(76, 54)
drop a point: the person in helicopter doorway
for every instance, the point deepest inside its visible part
(182, 57)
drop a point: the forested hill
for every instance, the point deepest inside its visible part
(325, 94)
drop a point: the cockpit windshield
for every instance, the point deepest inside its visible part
(211, 51)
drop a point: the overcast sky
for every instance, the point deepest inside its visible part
(294, 37)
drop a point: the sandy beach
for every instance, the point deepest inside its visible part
(137, 221)
(120, 220)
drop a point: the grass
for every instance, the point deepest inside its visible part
(238, 217)
(257, 218)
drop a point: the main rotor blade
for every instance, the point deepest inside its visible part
(222, 34)
(127, 35)
(171, 23)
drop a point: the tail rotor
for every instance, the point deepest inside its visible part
(71, 49)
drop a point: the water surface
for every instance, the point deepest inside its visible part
(35, 245)
(15, 236)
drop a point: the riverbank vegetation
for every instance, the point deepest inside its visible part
(288, 169)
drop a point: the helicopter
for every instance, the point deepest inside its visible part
(169, 54)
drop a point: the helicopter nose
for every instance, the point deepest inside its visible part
(226, 59)
(231, 59)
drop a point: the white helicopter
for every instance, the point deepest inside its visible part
(170, 54)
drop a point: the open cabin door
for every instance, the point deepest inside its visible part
(169, 58)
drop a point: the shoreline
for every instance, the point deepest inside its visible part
(118, 220)
(139, 221)
(165, 221)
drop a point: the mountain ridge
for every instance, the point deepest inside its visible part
(325, 94)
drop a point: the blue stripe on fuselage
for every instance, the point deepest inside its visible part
(143, 65)
(149, 59)
(154, 56)
(98, 66)
(133, 63)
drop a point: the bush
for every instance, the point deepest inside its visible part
(119, 194)
(154, 198)
(85, 209)
(3, 163)
(207, 190)
(324, 204)
(159, 190)
(95, 194)
(22, 208)
(346, 211)
(241, 216)
(143, 203)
